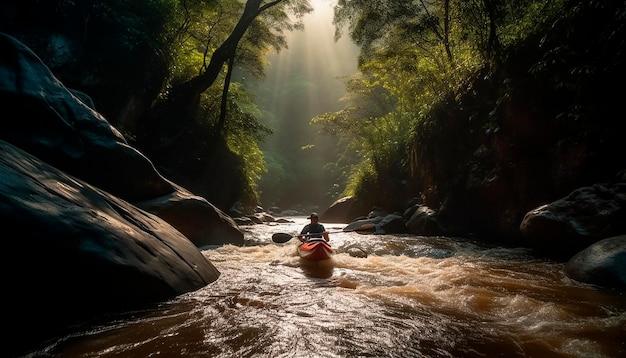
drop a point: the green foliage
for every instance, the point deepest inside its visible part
(281, 175)
(115, 23)
(414, 54)
(373, 129)
(131, 54)
(582, 62)
(360, 180)
(199, 28)
(243, 134)
(134, 22)
(116, 51)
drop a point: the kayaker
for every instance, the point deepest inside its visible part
(314, 230)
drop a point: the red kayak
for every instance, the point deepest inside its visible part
(315, 250)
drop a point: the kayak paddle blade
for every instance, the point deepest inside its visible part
(280, 238)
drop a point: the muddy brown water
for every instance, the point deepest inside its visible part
(410, 297)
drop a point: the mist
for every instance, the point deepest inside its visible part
(301, 82)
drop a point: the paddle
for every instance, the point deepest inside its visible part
(367, 228)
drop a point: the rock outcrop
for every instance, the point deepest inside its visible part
(345, 210)
(200, 221)
(585, 229)
(566, 226)
(602, 263)
(61, 128)
(74, 251)
(91, 225)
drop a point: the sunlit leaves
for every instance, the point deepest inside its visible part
(212, 35)
(242, 132)
(201, 26)
(416, 53)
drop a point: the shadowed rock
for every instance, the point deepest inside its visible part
(568, 225)
(59, 126)
(344, 210)
(200, 221)
(75, 251)
(50, 122)
(603, 263)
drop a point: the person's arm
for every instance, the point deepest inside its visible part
(303, 232)
(325, 233)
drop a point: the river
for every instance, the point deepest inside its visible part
(411, 296)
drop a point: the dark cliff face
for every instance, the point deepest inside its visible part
(89, 48)
(493, 176)
(485, 158)
(525, 131)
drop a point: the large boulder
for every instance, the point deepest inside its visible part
(60, 126)
(200, 221)
(44, 118)
(602, 264)
(74, 252)
(566, 226)
(423, 221)
(345, 210)
(393, 224)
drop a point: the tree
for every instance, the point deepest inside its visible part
(180, 103)
(416, 53)
(187, 132)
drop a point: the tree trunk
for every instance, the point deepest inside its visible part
(179, 110)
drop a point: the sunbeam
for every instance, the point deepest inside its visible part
(303, 81)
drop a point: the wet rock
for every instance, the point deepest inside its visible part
(356, 251)
(344, 210)
(566, 226)
(393, 224)
(59, 126)
(602, 264)
(77, 252)
(195, 217)
(423, 222)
